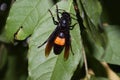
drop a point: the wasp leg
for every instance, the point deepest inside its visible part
(72, 27)
(55, 22)
(42, 44)
(71, 49)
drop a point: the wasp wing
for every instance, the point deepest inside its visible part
(50, 41)
(48, 48)
(67, 46)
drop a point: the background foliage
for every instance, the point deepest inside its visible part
(25, 24)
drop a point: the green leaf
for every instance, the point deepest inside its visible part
(112, 53)
(94, 36)
(93, 10)
(25, 14)
(53, 67)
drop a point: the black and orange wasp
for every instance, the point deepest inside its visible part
(60, 37)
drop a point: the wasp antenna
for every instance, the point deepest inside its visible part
(57, 12)
(54, 21)
(59, 9)
(50, 12)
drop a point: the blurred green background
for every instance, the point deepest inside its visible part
(13, 56)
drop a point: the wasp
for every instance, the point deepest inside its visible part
(60, 37)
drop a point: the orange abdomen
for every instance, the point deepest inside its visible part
(59, 41)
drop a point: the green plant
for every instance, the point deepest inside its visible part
(30, 18)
